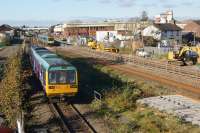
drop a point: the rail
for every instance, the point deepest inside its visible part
(54, 108)
(71, 119)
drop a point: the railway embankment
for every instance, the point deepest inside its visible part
(21, 96)
(118, 109)
(10, 90)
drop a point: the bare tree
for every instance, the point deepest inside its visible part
(144, 16)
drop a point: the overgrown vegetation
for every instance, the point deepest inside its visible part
(1, 71)
(1, 45)
(139, 119)
(120, 110)
(10, 92)
(6, 41)
(13, 90)
(150, 41)
(26, 77)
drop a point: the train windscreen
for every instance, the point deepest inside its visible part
(51, 39)
(62, 77)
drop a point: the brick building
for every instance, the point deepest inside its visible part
(86, 29)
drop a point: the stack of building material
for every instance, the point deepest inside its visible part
(183, 107)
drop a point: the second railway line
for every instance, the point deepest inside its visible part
(168, 71)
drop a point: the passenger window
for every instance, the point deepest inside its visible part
(44, 77)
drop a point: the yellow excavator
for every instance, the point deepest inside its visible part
(186, 54)
(107, 48)
(101, 46)
(91, 43)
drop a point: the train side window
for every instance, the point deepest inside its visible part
(71, 76)
(44, 76)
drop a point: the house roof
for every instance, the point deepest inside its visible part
(167, 27)
(197, 21)
(193, 26)
(4, 28)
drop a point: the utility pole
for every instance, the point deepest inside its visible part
(194, 39)
(89, 31)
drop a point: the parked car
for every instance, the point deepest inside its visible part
(141, 53)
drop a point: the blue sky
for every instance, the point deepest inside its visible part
(61, 10)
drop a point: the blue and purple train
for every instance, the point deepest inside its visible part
(57, 76)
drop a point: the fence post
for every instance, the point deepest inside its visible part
(97, 96)
(20, 123)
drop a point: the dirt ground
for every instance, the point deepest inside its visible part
(42, 119)
(98, 124)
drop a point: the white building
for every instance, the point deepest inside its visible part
(166, 17)
(108, 36)
(59, 29)
(165, 33)
(6, 32)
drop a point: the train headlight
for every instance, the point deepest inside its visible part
(73, 86)
(51, 87)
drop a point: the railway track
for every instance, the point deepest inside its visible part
(71, 119)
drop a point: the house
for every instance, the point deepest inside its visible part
(194, 27)
(167, 34)
(6, 32)
(59, 29)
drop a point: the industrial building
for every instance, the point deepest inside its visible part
(90, 29)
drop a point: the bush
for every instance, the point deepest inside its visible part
(150, 41)
(6, 41)
(124, 98)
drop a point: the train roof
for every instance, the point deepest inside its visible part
(49, 55)
(44, 35)
(48, 59)
(57, 62)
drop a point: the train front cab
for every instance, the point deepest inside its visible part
(50, 41)
(61, 82)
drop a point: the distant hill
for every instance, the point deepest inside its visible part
(28, 23)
